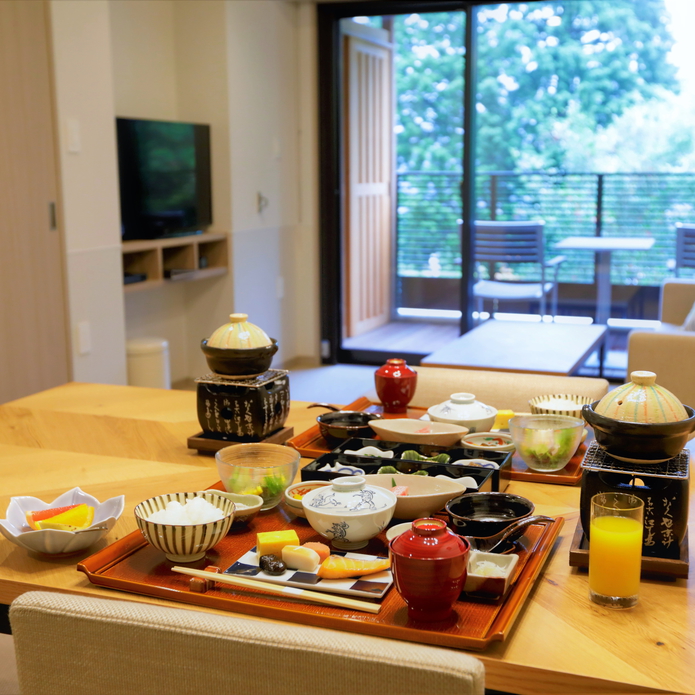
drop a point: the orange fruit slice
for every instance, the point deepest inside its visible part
(77, 517)
(34, 517)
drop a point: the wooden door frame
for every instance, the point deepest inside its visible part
(331, 158)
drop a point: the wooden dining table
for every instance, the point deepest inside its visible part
(112, 440)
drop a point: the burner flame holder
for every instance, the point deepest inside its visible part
(663, 487)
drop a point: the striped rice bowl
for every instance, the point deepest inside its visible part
(184, 543)
(559, 404)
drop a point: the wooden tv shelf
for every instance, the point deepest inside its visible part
(175, 259)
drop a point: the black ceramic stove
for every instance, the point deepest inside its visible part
(662, 486)
(243, 409)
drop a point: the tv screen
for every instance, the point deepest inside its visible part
(164, 175)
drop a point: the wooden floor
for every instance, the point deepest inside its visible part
(406, 336)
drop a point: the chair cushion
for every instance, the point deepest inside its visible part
(689, 323)
(490, 289)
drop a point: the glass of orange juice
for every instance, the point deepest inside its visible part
(615, 549)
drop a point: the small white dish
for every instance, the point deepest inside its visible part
(418, 432)
(53, 541)
(475, 463)
(488, 441)
(466, 481)
(396, 530)
(480, 583)
(370, 451)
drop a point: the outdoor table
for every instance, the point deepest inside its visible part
(112, 440)
(603, 247)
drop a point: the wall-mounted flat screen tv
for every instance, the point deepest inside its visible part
(164, 176)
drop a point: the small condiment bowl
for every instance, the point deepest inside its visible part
(294, 502)
(184, 543)
(479, 582)
(246, 507)
(488, 441)
(339, 425)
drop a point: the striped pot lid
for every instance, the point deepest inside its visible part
(641, 400)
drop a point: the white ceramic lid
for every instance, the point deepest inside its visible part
(462, 406)
(349, 495)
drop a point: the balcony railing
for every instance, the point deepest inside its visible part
(643, 204)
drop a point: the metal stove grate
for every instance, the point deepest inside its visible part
(596, 459)
(252, 382)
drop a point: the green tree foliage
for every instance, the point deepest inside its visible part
(543, 68)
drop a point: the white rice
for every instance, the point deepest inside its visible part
(196, 511)
(560, 404)
(486, 568)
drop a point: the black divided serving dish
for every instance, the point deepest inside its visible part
(489, 479)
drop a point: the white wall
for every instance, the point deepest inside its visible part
(248, 69)
(84, 95)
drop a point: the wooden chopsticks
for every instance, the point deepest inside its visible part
(290, 591)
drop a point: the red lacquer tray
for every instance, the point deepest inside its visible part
(132, 565)
(311, 444)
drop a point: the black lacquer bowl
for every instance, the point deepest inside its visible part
(246, 362)
(484, 514)
(637, 442)
(344, 424)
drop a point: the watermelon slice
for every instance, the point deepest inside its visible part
(33, 517)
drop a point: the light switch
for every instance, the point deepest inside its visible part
(74, 139)
(84, 338)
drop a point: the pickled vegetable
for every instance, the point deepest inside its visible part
(272, 564)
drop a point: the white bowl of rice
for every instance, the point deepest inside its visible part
(185, 525)
(559, 404)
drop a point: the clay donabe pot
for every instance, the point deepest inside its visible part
(484, 514)
(239, 362)
(640, 442)
(339, 425)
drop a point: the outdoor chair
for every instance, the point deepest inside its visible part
(685, 246)
(84, 645)
(512, 243)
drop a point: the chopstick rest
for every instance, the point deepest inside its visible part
(314, 596)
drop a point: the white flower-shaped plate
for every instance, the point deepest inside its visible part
(53, 541)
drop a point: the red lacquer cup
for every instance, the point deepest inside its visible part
(429, 565)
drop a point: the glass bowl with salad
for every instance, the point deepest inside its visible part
(258, 469)
(546, 443)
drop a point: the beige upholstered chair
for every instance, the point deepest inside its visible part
(499, 389)
(670, 350)
(72, 645)
(8, 667)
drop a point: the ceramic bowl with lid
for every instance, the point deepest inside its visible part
(350, 512)
(239, 348)
(631, 422)
(462, 409)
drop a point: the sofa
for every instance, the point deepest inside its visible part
(669, 351)
(502, 390)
